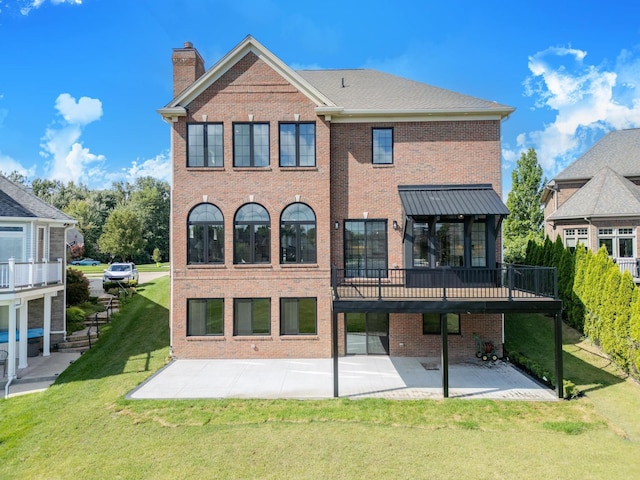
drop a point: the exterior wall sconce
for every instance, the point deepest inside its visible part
(395, 224)
(337, 225)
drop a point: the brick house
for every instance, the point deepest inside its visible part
(32, 276)
(332, 212)
(595, 201)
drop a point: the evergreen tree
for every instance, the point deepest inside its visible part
(526, 217)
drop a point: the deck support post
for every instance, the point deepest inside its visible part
(444, 352)
(558, 350)
(334, 353)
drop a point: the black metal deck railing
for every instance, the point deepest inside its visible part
(508, 282)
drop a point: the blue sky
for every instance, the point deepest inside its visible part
(81, 80)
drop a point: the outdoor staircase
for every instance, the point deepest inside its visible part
(83, 340)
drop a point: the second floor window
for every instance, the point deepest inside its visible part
(205, 145)
(298, 234)
(252, 235)
(382, 143)
(297, 144)
(205, 236)
(250, 144)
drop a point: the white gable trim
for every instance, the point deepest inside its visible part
(249, 44)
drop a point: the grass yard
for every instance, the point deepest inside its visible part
(82, 427)
(613, 394)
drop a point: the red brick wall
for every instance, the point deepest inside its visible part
(406, 338)
(343, 179)
(250, 88)
(425, 153)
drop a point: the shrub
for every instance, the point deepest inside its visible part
(77, 287)
(570, 390)
(532, 367)
(75, 319)
(157, 257)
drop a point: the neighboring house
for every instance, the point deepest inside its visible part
(595, 201)
(32, 274)
(334, 212)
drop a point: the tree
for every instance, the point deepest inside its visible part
(57, 193)
(526, 217)
(122, 234)
(16, 177)
(157, 256)
(150, 199)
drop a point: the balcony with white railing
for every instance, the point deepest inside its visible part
(629, 264)
(17, 276)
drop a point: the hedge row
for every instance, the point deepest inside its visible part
(598, 299)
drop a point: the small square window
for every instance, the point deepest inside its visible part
(205, 145)
(297, 144)
(431, 323)
(298, 316)
(205, 316)
(250, 144)
(252, 316)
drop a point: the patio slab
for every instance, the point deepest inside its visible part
(40, 373)
(399, 378)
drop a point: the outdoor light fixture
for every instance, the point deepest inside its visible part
(337, 225)
(395, 224)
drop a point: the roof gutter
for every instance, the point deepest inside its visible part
(171, 114)
(415, 112)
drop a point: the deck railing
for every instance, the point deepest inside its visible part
(507, 282)
(23, 275)
(631, 265)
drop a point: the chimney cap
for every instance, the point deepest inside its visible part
(188, 45)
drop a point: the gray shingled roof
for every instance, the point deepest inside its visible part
(427, 200)
(619, 150)
(366, 89)
(17, 202)
(607, 194)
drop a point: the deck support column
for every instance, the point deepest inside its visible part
(444, 353)
(558, 348)
(334, 353)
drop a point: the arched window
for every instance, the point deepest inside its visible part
(298, 234)
(205, 237)
(252, 235)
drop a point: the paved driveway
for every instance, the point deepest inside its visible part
(360, 377)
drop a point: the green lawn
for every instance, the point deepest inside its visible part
(82, 427)
(613, 394)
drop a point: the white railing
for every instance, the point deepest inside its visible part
(630, 265)
(22, 275)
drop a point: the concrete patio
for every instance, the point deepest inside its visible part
(40, 373)
(398, 378)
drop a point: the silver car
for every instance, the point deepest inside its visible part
(121, 272)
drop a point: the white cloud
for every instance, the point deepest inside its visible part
(67, 159)
(29, 5)
(9, 165)
(588, 100)
(158, 167)
(82, 112)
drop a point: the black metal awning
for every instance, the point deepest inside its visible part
(441, 200)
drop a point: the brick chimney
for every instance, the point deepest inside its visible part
(188, 66)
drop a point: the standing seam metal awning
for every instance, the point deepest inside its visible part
(428, 200)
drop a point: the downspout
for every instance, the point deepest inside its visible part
(12, 374)
(67, 226)
(6, 387)
(586, 219)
